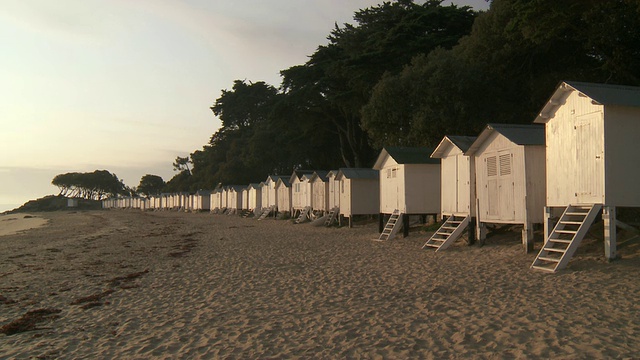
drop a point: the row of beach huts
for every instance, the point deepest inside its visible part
(578, 160)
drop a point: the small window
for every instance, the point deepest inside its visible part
(342, 185)
(393, 173)
(388, 173)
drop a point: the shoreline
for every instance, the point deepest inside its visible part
(14, 223)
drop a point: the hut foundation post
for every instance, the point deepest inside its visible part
(547, 223)
(527, 237)
(609, 218)
(405, 225)
(471, 232)
(481, 232)
(380, 222)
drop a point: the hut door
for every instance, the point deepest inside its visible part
(464, 189)
(589, 157)
(506, 185)
(493, 195)
(500, 186)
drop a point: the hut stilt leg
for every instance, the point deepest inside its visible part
(481, 232)
(547, 223)
(527, 237)
(380, 222)
(471, 232)
(405, 225)
(609, 218)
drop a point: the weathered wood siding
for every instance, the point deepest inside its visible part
(300, 193)
(574, 156)
(334, 190)
(391, 187)
(622, 156)
(255, 198)
(510, 188)
(359, 196)
(320, 192)
(457, 183)
(283, 194)
(422, 188)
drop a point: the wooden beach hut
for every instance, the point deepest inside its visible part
(510, 180)
(359, 192)
(245, 198)
(202, 200)
(457, 191)
(334, 189)
(234, 197)
(301, 192)
(592, 133)
(319, 183)
(72, 202)
(216, 200)
(255, 196)
(269, 198)
(283, 193)
(409, 185)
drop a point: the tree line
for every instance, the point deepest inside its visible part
(406, 74)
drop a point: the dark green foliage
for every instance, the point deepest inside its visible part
(55, 203)
(406, 74)
(506, 69)
(95, 185)
(151, 185)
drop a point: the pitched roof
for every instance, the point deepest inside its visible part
(516, 133)
(299, 174)
(461, 142)
(273, 178)
(603, 94)
(322, 174)
(406, 155)
(357, 173)
(284, 181)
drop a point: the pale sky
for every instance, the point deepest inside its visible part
(126, 85)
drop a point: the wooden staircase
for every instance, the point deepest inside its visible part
(266, 212)
(448, 233)
(393, 225)
(566, 237)
(333, 215)
(304, 214)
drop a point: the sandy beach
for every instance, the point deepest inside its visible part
(137, 285)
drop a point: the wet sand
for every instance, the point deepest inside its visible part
(131, 284)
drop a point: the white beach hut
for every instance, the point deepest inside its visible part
(234, 197)
(592, 134)
(334, 189)
(359, 191)
(300, 189)
(216, 200)
(269, 198)
(245, 198)
(409, 185)
(457, 191)
(72, 202)
(283, 192)
(203, 200)
(510, 168)
(255, 196)
(319, 183)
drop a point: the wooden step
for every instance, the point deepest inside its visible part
(555, 250)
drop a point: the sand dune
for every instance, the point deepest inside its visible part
(133, 284)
